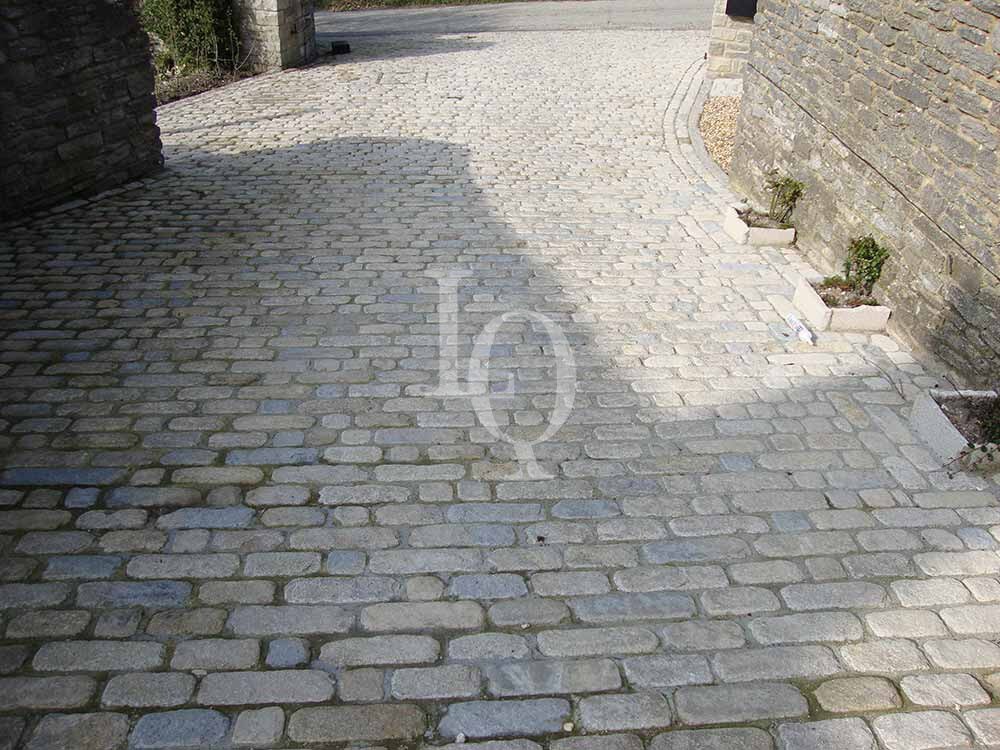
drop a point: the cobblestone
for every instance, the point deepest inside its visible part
(849, 734)
(277, 686)
(484, 719)
(726, 704)
(850, 694)
(452, 681)
(713, 739)
(361, 723)
(97, 656)
(945, 690)
(553, 677)
(144, 689)
(216, 653)
(921, 730)
(613, 713)
(42, 693)
(189, 727)
(260, 727)
(83, 731)
(237, 510)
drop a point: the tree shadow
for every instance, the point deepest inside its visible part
(268, 320)
(297, 282)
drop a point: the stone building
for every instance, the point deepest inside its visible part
(889, 111)
(76, 101)
(732, 32)
(76, 92)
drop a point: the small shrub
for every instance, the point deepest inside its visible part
(863, 266)
(785, 193)
(193, 35)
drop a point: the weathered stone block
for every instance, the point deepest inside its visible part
(484, 719)
(374, 723)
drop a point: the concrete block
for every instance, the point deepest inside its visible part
(932, 425)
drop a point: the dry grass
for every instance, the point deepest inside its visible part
(172, 88)
(718, 128)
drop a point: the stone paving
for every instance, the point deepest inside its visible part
(234, 513)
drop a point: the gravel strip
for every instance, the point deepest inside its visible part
(718, 128)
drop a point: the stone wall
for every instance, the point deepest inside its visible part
(276, 33)
(729, 45)
(76, 101)
(889, 111)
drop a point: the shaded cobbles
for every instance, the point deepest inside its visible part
(235, 513)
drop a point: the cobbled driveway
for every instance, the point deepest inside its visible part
(234, 513)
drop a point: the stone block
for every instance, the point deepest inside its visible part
(435, 683)
(614, 713)
(844, 734)
(808, 302)
(290, 620)
(770, 236)
(148, 689)
(855, 694)
(726, 704)
(553, 677)
(380, 650)
(485, 719)
(921, 730)
(216, 653)
(713, 739)
(277, 686)
(98, 731)
(98, 656)
(46, 693)
(375, 723)
(861, 318)
(260, 727)
(184, 728)
(933, 427)
(415, 616)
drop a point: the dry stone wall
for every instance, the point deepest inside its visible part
(76, 101)
(889, 111)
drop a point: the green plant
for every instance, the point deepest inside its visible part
(785, 193)
(863, 265)
(193, 35)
